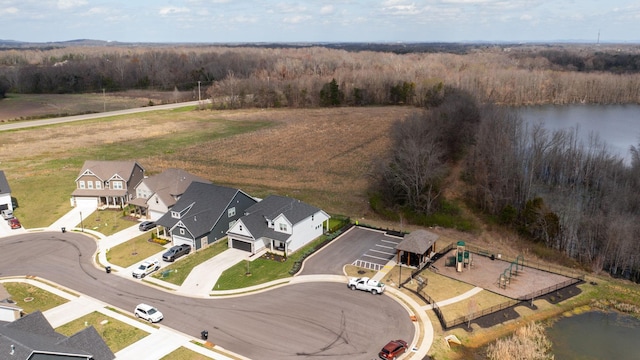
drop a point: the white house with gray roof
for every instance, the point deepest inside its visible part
(277, 223)
(5, 193)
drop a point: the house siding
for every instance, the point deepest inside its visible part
(240, 202)
(306, 231)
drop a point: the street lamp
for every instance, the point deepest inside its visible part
(199, 92)
(81, 223)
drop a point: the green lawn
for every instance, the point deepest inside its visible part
(117, 334)
(31, 298)
(177, 272)
(107, 222)
(182, 353)
(133, 251)
(260, 271)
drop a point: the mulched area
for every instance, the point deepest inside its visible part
(510, 313)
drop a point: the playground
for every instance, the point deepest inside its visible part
(513, 279)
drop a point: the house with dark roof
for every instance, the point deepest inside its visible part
(31, 337)
(417, 248)
(106, 183)
(278, 223)
(156, 194)
(5, 193)
(204, 213)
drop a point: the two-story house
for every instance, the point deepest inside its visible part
(277, 223)
(156, 194)
(204, 213)
(106, 183)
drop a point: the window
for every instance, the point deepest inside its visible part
(98, 184)
(175, 215)
(181, 231)
(312, 217)
(117, 185)
(283, 227)
(81, 184)
(240, 227)
(90, 184)
(231, 212)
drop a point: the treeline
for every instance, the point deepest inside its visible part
(572, 196)
(294, 77)
(555, 189)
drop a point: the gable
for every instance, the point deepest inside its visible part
(240, 228)
(4, 184)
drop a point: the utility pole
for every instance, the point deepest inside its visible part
(199, 99)
(104, 101)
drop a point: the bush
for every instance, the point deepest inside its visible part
(527, 343)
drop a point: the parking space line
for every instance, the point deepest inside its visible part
(381, 252)
(391, 242)
(376, 257)
(386, 247)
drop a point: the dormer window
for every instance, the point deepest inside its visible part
(175, 215)
(283, 227)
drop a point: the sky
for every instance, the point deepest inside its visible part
(257, 21)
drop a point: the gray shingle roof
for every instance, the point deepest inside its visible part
(208, 202)
(271, 207)
(106, 169)
(171, 183)
(4, 184)
(32, 334)
(417, 242)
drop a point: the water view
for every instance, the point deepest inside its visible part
(596, 336)
(617, 125)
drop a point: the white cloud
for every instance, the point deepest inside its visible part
(68, 4)
(170, 10)
(297, 19)
(10, 11)
(326, 10)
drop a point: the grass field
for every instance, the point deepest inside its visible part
(133, 251)
(321, 156)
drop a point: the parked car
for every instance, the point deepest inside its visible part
(364, 283)
(14, 223)
(148, 312)
(146, 225)
(175, 252)
(146, 268)
(393, 349)
(7, 214)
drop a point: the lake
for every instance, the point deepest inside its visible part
(596, 335)
(617, 125)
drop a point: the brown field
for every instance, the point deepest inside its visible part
(322, 156)
(30, 106)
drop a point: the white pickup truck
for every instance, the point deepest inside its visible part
(366, 284)
(7, 214)
(146, 268)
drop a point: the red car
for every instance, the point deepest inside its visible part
(14, 223)
(393, 349)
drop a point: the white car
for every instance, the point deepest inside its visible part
(148, 312)
(146, 268)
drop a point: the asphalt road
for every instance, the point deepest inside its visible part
(59, 120)
(309, 320)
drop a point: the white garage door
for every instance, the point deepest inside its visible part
(86, 202)
(178, 240)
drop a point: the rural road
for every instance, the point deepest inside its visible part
(33, 123)
(304, 320)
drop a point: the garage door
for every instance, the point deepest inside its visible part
(86, 202)
(242, 245)
(179, 240)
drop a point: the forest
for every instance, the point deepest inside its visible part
(549, 186)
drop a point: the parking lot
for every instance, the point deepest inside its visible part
(359, 246)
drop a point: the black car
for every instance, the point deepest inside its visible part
(175, 252)
(146, 225)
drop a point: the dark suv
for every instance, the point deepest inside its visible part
(146, 225)
(175, 252)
